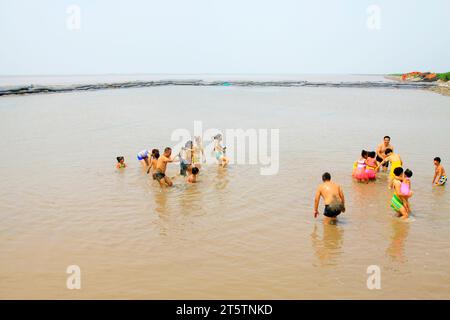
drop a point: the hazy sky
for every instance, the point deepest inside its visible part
(228, 36)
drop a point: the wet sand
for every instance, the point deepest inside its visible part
(235, 234)
(439, 86)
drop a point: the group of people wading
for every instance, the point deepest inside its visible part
(365, 169)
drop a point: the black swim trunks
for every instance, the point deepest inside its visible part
(379, 159)
(159, 175)
(184, 166)
(331, 212)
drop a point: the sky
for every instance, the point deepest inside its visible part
(61, 37)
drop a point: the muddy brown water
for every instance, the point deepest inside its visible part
(235, 234)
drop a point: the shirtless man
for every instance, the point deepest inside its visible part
(161, 165)
(439, 173)
(381, 149)
(333, 197)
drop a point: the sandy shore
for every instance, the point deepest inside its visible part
(442, 88)
(439, 86)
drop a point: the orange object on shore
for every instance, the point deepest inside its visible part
(416, 75)
(410, 75)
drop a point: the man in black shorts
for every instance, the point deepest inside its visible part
(332, 195)
(386, 144)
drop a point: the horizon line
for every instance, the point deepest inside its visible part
(181, 74)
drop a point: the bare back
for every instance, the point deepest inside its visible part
(330, 192)
(154, 164)
(440, 171)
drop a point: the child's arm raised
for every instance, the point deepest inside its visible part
(174, 159)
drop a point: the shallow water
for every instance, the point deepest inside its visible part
(235, 234)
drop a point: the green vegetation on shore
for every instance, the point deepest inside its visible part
(444, 76)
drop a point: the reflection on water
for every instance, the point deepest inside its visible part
(160, 198)
(328, 247)
(399, 235)
(221, 179)
(191, 199)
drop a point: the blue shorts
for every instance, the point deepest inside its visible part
(139, 157)
(184, 167)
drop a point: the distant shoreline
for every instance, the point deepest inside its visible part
(41, 89)
(438, 87)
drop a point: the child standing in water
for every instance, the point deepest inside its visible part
(219, 151)
(153, 161)
(193, 176)
(120, 163)
(405, 189)
(439, 172)
(397, 201)
(360, 170)
(371, 165)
